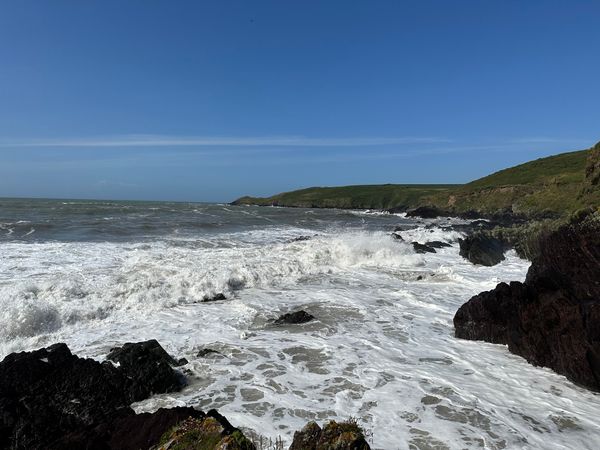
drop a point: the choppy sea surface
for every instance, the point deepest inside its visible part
(97, 274)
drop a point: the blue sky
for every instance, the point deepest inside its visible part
(208, 101)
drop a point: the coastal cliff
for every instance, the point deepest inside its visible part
(553, 318)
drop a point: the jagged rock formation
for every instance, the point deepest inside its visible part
(553, 318)
(592, 169)
(208, 432)
(294, 318)
(50, 398)
(482, 249)
(333, 436)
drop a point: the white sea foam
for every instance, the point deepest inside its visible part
(382, 348)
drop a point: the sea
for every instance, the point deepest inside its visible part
(97, 274)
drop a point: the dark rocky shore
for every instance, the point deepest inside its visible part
(553, 318)
(52, 399)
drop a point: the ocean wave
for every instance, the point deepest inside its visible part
(63, 283)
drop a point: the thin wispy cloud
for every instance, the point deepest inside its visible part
(199, 141)
(548, 140)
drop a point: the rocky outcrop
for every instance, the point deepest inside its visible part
(50, 398)
(147, 367)
(482, 249)
(422, 248)
(592, 169)
(209, 432)
(333, 436)
(143, 431)
(426, 212)
(294, 318)
(553, 318)
(214, 298)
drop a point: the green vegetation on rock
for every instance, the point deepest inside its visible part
(334, 435)
(203, 434)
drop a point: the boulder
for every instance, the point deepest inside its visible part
(334, 436)
(553, 318)
(209, 432)
(147, 367)
(437, 244)
(214, 298)
(204, 352)
(423, 248)
(481, 249)
(294, 318)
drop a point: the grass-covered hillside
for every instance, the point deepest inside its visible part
(552, 186)
(356, 197)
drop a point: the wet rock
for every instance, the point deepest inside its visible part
(481, 249)
(397, 237)
(214, 298)
(147, 367)
(333, 436)
(437, 244)
(301, 238)
(553, 318)
(426, 212)
(294, 318)
(50, 398)
(207, 351)
(47, 394)
(423, 248)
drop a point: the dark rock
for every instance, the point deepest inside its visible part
(307, 438)
(333, 436)
(300, 239)
(397, 237)
(214, 298)
(142, 431)
(50, 393)
(207, 351)
(482, 250)
(553, 318)
(294, 318)
(437, 244)
(423, 248)
(405, 227)
(50, 398)
(426, 212)
(148, 368)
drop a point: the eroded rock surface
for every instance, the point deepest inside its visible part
(553, 318)
(333, 436)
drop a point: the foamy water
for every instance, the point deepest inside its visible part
(381, 349)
